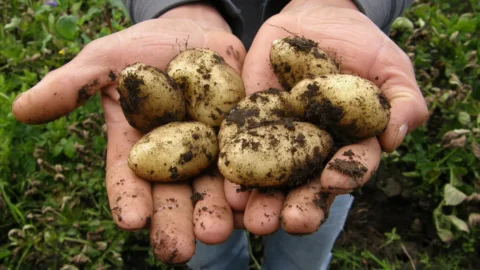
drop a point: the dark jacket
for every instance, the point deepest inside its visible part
(246, 16)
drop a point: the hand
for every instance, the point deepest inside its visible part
(362, 49)
(135, 203)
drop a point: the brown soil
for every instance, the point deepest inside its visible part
(351, 168)
(240, 116)
(173, 173)
(132, 101)
(196, 196)
(384, 101)
(301, 44)
(112, 76)
(186, 157)
(86, 92)
(323, 114)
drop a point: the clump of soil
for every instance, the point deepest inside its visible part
(240, 116)
(351, 168)
(323, 114)
(301, 44)
(112, 75)
(384, 101)
(303, 173)
(132, 84)
(196, 196)
(85, 92)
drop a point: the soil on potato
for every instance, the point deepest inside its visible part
(131, 103)
(323, 114)
(306, 45)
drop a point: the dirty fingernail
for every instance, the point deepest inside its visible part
(402, 132)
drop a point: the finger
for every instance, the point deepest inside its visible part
(213, 218)
(171, 233)
(351, 167)
(129, 196)
(238, 220)
(306, 208)
(263, 212)
(237, 197)
(402, 95)
(70, 86)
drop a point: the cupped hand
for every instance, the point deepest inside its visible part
(167, 209)
(360, 48)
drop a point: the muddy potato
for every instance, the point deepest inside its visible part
(348, 104)
(275, 155)
(294, 59)
(149, 98)
(174, 152)
(260, 108)
(211, 87)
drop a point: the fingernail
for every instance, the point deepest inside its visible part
(402, 132)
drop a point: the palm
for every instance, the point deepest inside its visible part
(135, 203)
(360, 48)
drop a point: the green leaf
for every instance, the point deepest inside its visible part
(445, 235)
(403, 24)
(50, 238)
(442, 225)
(14, 23)
(5, 253)
(464, 118)
(466, 23)
(66, 27)
(69, 148)
(458, 223)
(453, 196)
(57, 150)
(119, 4)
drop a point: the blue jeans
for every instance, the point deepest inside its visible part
(281, 250)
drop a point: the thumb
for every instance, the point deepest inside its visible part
(70, 86)
(395, 76)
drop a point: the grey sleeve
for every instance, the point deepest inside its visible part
(383, 12)
(141, 10)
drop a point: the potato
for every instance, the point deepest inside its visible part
(149, 98)
(174, 152)
(294, 59)
(348, 105)
(260, 108)
(275, 155)
(211, 87)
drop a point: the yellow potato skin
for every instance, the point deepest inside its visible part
(260, 108)
(294, 59)
(211, 87)
(149, 98)
(174, 152)
(355, 106)
(274, 155)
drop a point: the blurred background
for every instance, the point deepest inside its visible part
(420, 211)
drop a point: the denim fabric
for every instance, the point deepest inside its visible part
(281, 250)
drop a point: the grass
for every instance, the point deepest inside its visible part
(54, 210)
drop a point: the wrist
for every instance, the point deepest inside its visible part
(202, 14)
(294, 4)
